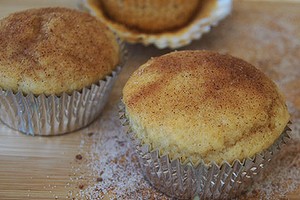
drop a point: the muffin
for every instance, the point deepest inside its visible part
(163, 23)
(57, 68)
(151, 16)
(205, 123)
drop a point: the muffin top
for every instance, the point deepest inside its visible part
(54, 50)
(204, 105)
(151, 16)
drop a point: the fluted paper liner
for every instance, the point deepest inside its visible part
(207, 181)
(56, 115)
(214, 12)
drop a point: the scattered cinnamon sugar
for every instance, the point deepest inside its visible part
(99, 179)
(81, 186)
(90, 134)
(115, 166)
(78, 157)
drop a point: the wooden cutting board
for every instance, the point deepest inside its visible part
(65, 167)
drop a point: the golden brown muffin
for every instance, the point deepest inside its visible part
(151, 15)
(54, 50)
(204, 105)
(137, 23)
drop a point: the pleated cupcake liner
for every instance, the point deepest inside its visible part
(185, 180)
(175, 39)
(55, 115)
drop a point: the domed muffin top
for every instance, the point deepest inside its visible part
(204, 105)
(54, 50)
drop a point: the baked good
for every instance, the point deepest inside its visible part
(204, 105)
(151, 15)
(43, 51)
(171, 24)
(204, 124)
(57, 69)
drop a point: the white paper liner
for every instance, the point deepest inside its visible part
(55, 115)
(174, 39)
(186, 180)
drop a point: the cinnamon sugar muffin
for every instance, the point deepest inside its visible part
(211, 110)
(57, 67)
(43, 51)
(204, 105)
(151, 15)
(164, 23)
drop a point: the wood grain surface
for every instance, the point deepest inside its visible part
(264, 34)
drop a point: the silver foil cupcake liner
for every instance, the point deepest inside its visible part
(55, 115)
(186, 180)
(176, 39)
